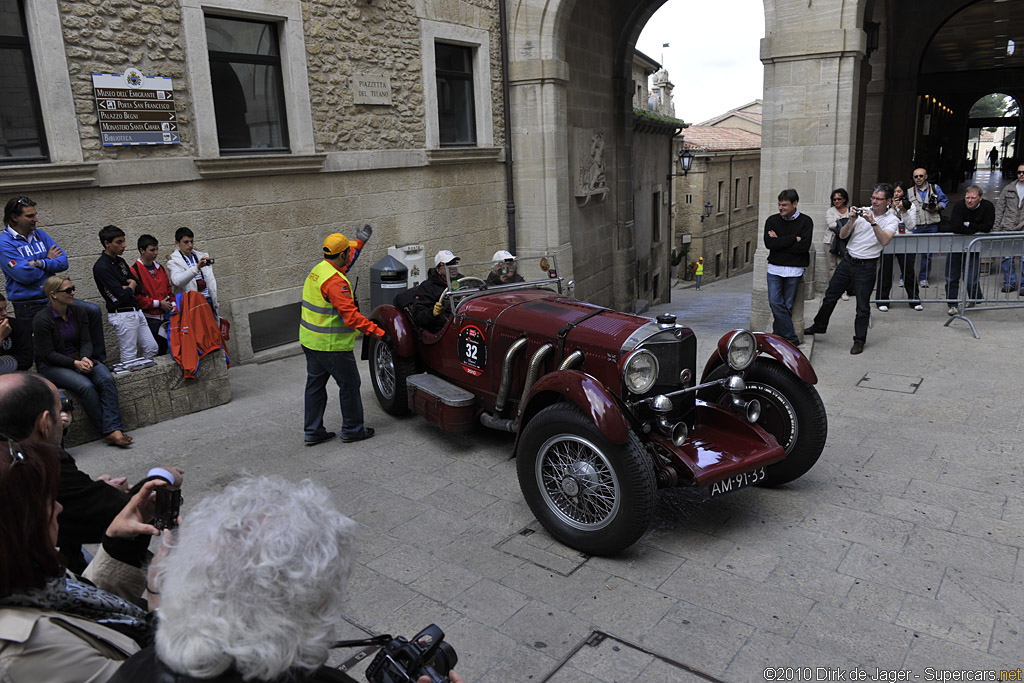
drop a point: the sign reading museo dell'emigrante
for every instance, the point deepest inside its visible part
(134, 109)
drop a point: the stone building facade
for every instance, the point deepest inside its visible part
(263, 216)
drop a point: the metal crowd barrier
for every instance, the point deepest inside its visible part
(967, 272)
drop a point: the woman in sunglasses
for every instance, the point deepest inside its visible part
(64, 356)
(55, 626)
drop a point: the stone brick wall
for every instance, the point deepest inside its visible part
(159, 393)
(589, 51)
(345, 39)
(266, 232)
(109, 36)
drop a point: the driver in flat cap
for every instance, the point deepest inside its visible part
(328, 327)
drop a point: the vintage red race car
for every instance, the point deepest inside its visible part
(605, 405)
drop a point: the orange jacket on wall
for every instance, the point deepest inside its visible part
(194, 332)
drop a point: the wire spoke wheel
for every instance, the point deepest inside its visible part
(384, 369)
(578, 482)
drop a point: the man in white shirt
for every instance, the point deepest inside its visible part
(1010, 217)
(868, 231)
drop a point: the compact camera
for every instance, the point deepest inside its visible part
(405, 661)
(168, 507)
(209, 260)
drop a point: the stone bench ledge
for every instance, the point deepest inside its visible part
(158, 393)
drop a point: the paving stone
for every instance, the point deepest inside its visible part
(956, 550)
(1001, 481)
(444, 581)
(504, 516)
(917, 512)
(623, 608)
(521, 664)
(859, 527)
(769, 650)
(461, 501)
(659, 671)
(563, 592)
(855, 636)
(789, 541)
(742, 599)
(384, 510)
(697, 637)
(610, 661)
(995, 530)
(640, 563)
(748, 562)
(947, 621)
(479, 647)
(475, 550)
(371, 597)
(895, 570)
(488, 602)
(875, 600)
(822, 584)
(1007, 637)
(981, 593)
(868, 479)
(403, 563)
(430, 529)
(955, 498)
(547, 628)
(694, 546)
(853, 498)
(939, 655)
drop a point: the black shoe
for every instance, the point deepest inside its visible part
(1008, 288)
(858, 347)
(814, 329)
(326, 436)
(367, 433)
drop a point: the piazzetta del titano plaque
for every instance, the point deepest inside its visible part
(134, 109)
(371, 89)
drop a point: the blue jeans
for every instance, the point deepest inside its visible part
(91, 314)
(698, 280)
(1011, 264)
(926, 259)
(781, 295)
(321, 366)
(97, 391)
(862, 275)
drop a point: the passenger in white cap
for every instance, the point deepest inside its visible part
(422, 303)
(504, 270)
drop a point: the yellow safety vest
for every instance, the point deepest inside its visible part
(699, 270)
(320, 326)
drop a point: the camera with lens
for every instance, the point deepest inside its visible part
(932, 205)
(405, 661)
(66, 404)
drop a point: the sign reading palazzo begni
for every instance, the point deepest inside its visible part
(371, 89)
(134, 109)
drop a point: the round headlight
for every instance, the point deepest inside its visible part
(741, 351)
(640, 371)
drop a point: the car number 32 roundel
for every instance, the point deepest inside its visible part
(472, 350)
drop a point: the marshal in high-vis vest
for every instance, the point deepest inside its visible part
(328, 326)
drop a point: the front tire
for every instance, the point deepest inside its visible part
(590, 494)
(791, 411)
(388, 372)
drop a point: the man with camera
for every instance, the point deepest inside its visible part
(929, 200)
(970, 215)
(31, 409)
(191, 270)
(868, 231)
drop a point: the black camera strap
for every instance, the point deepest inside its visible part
(367, 647)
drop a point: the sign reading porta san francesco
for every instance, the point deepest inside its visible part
(134, 109)
(371, 89)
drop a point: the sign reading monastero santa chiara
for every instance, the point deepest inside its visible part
(134, 109)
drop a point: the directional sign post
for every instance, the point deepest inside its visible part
(135, 110)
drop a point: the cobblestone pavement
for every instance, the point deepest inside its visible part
(900, 550)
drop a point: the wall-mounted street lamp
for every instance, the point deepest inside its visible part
(685, 160)
(707, 211)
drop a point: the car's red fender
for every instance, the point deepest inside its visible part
(776, 347)
(394, 323)
(586, 392)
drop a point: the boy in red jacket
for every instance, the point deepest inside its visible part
(154, 293)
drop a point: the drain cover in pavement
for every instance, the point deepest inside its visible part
(608, 658)
(534, 545)
(904, 384)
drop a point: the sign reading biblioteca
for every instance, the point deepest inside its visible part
(134, 109)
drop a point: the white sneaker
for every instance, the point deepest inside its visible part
(952, 310)
(883, 308)
(923, 284)
(918, 307)
(901, 282)
(846, 297)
